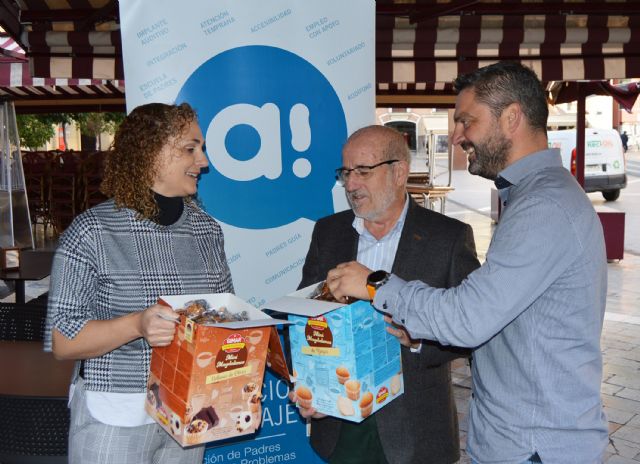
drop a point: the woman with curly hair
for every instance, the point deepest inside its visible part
(114, 261)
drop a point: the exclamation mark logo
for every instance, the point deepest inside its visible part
(300, 138)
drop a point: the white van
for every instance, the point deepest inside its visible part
(604, 164)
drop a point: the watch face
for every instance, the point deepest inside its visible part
(377, 277)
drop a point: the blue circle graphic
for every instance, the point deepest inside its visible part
(242, 142)
(300, 122)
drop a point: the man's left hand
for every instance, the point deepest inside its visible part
(349, 279)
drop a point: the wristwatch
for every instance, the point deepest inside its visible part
(375, 280)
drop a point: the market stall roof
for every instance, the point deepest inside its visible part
(38, 94)
(73, 59)
(566, 92)
(421, 45)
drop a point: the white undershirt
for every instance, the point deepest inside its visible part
(117, 409)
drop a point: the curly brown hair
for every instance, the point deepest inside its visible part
(131, 164)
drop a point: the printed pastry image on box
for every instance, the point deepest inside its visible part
(345, 364)
(206, 385)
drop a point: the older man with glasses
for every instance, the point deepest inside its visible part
(386, 229)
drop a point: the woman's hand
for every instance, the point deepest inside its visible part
(157, 325)
(98, 337)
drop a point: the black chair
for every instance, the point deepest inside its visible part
(22, 321)
(40, 301)
(33, 430)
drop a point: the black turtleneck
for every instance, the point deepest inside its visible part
(169, 209)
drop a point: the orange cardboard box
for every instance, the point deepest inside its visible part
(206, 385)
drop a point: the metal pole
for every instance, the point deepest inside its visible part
(6, 184)
(580, 134)
(15, 227)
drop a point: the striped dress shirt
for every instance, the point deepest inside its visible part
(379, 254)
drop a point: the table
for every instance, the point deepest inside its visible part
(429, 194)
(34, 265)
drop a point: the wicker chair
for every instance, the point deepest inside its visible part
(63, 189)
(37, 171)
(33, 430)
(92, 172)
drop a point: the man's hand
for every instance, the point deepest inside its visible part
(349, 279)
(401, 334)
(305, 412)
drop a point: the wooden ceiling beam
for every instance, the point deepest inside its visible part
(418, 12)
(70, 105)
(416, 100)
(85, 18)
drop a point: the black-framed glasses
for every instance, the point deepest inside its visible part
(342, 174)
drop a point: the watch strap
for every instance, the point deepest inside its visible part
(375, 280)
(372, 291)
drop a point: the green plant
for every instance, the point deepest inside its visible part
(34, 130)
(94, 124)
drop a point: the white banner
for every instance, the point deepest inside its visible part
(278, 86)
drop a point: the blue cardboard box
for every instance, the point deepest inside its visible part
(345, 364)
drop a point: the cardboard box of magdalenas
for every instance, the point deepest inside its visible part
(345, 364)
(206, 385)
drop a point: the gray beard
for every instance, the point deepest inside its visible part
(372, 215)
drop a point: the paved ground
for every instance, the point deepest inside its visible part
(621, 333)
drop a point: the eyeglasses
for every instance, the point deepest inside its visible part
(363, 172)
